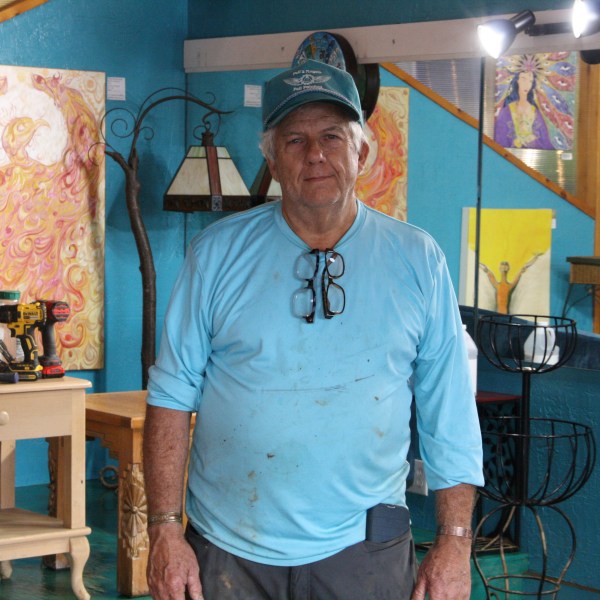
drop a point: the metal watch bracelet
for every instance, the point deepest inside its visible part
(454, 530)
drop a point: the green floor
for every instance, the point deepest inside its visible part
(32, 582)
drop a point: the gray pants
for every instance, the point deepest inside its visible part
(365, 571)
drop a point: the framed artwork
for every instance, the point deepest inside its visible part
(52, 201)
(514, 260)
(535, 101)
(383, 182)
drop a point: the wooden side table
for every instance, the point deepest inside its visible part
(117, 418)
(585, 270)
(47, 408)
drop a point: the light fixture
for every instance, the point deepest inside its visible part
(210, 182)
(496, 36)
(585, 18)
(207, 180)
(265, 188)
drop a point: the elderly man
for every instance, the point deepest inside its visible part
(299, 332)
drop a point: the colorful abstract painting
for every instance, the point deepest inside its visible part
(514, 260)
(535, 101)
(52, 200)
(383, 182)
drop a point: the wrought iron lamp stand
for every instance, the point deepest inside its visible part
(530, 345)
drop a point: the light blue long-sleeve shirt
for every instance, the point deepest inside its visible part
(301, 427)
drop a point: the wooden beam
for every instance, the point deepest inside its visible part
(588, 151)
(588, 135)
(12, 8)
(429, 40)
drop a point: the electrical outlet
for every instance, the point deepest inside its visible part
(419, 484)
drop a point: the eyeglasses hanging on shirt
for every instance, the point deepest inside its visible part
(333, 295)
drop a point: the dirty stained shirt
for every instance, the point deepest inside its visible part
(301, 427)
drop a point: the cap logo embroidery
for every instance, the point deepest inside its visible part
(307, 79)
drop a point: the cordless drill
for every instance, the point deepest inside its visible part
(21, 320)
(55, 311)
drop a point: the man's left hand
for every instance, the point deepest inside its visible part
(445, 573)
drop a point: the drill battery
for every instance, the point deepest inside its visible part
(22, 320)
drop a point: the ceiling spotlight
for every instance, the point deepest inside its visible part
(496, 36)
(585, 17)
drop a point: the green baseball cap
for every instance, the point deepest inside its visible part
(311, 81)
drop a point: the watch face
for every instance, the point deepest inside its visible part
(335, 50)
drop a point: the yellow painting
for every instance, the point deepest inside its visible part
(52, 200)
(384, 179)
(514, 260)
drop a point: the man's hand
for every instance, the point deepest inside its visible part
(172, 565)
(445, 572)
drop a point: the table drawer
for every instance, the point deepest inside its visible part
(22, 416)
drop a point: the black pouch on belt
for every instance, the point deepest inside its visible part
(386, 522)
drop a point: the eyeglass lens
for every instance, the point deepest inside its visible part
(304, 300)
(334, 297)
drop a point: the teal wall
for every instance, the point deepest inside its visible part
(143, 42)
(209, 19)
(442, 177)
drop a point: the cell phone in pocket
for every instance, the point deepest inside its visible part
(386, 522)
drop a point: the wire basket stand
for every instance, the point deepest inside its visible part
(530, 345)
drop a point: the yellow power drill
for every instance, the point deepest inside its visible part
(22, 320)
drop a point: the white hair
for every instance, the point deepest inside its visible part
(267, 142)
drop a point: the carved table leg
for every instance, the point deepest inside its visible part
(118, 420)
(132, 552)
(79, 552)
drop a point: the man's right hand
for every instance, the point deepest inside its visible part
(172, 564)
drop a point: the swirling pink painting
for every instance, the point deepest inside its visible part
(383, 182)
(52, 200)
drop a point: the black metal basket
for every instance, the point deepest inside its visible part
(564, 453)
(526, 343)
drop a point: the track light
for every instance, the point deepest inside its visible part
(496, 36)
(585, 17)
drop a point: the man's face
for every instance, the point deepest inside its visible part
(316, 161)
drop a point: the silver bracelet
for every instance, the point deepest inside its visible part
(453, 530)
(164, 517)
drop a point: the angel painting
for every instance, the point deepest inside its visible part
(535, 101)
(504, 288)
(514, 260)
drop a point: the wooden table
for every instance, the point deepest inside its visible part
(585, 270)
(117, 418)
(47, 408)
